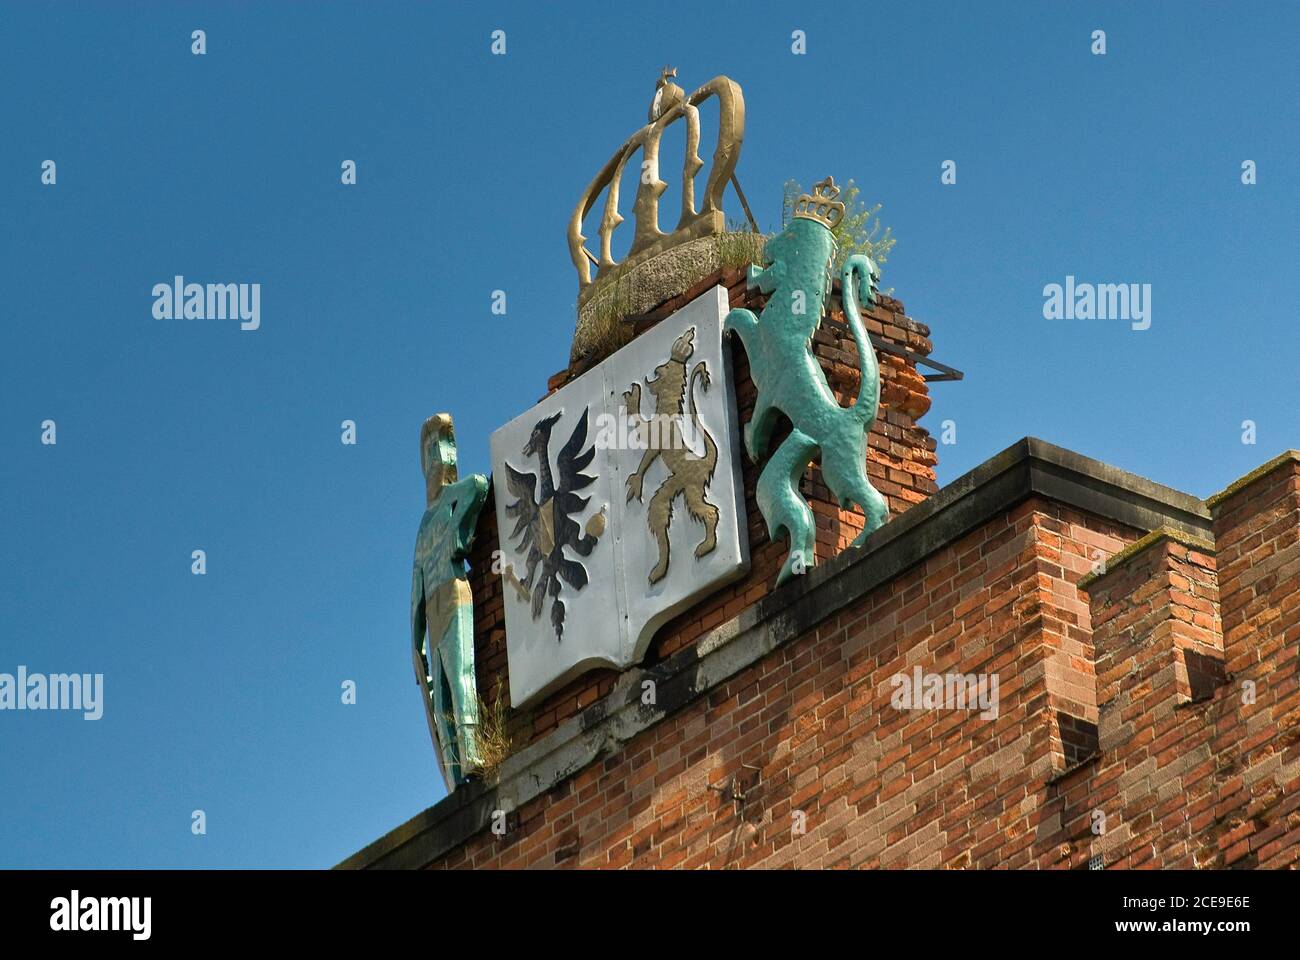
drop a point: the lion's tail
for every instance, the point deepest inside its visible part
(859, 275)
(710, 448)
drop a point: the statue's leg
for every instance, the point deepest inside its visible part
(457, 651)
(874, 506)
(844, 468)
(444, 719)
(783, 507)
(758, 431)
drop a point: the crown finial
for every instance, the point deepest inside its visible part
(667, 94)
(821, 204)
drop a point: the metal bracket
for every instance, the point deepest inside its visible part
(734, 793)
(946, 372)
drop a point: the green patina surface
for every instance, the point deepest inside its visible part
(442, 607)
(790, 381)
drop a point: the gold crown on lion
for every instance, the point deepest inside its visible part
(821, 205)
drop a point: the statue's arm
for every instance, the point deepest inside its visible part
(765, 279)
(419, 628)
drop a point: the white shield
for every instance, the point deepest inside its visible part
(609, 568)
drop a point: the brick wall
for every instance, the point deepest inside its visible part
(811, 741)
(1199, 727)
(803, 760)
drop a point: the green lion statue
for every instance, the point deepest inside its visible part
(790, 380)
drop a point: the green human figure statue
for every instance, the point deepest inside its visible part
(442, 606)
(790, 380)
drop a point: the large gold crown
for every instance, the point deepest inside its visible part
(610, 290)
(821, 205)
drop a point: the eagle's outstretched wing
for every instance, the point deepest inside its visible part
(573, 460)
(523, 487)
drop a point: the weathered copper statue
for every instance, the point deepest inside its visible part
(441, 603)
(790, 380)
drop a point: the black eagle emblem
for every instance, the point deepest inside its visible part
(543, 511)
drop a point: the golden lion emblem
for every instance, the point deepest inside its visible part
(675, 434)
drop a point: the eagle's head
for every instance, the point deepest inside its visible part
(541, 436)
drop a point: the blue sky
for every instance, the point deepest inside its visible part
(222, 692)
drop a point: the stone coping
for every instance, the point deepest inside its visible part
(1029, 467)
(1121, 557)
(1288, 456)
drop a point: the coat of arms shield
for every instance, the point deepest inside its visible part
(619, 501)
